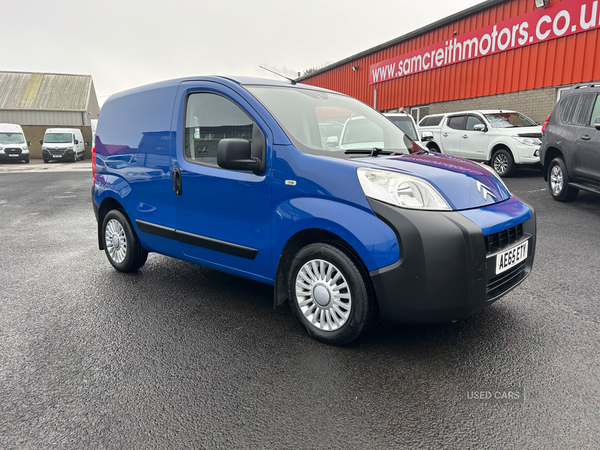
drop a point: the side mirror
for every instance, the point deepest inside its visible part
(597, 123)
(41, 141)
(76, 142)
(88, 143)
(479, 127)
(332, 141)
(427, 136)
(28, 143)
(236, 154)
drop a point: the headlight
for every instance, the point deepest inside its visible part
(400, 190)
(24, 148)
(527, 140)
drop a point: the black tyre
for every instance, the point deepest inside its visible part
(121, 245)
(433, 148)
(74, 156)
(27, 161)
(83, 156)
(503, 163)
(331, 294)
(558, 182)
(45, 161)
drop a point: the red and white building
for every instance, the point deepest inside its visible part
(508, 54)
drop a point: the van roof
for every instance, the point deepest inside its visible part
(226, 80)
(12, 127)
(62, 130)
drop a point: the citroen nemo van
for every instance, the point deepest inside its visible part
(234, 174)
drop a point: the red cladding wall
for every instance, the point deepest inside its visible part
(564, 60)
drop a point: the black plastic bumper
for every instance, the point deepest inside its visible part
(444, 272)
(14, 156)
(66, 154)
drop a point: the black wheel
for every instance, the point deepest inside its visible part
(433, 148)
(121, 245)
(558, 182)
(27, 161)
(45, 161)
(74, 156)
(330, 294)
(83, 156)
(503, 163)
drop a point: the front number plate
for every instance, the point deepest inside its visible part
(13, 155)
(511, 257)
(57, 156)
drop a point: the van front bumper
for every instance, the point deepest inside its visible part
(447, 268)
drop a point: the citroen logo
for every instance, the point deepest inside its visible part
(485, 191)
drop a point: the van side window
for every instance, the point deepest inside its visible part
(208, 119)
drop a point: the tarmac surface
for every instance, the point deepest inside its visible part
(180, 356)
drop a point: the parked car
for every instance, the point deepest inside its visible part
(406, 123)
(232, 174)
(504, 139)
(571, 144)
(63, 144)
(12, 143)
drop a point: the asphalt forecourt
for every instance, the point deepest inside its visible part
(180, 356)
(38, 165)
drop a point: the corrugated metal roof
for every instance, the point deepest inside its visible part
(44, 91)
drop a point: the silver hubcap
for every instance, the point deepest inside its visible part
(115, 240)
(500, 163)
(323, 295)
(556, 180)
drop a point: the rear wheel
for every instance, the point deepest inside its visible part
(558, 182)
(330, 294)
(503, 163)
(121, 245)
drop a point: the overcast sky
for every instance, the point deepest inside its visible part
(125, 43)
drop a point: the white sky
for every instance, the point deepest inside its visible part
(127, 43)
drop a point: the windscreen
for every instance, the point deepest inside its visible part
(509, 120)
(11, 138)
(58, 138)
(326, 123)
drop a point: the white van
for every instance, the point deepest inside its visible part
(63, 144)
(12, 143)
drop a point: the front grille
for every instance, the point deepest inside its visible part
(505, 238)
(13, 151)
(505, 281)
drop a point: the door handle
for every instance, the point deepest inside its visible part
(177, 181)
(586, 137)
(465, 136)
(445, 134)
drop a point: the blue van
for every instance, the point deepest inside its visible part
(235, 174)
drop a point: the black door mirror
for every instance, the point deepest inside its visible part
(76, 142)
(41, 141)
(236, 154)
(28, 143)
(597, 123)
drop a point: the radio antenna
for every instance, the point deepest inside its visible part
(282, 76)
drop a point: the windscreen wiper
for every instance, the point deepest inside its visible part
(372, 152)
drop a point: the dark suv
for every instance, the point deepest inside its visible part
(570, 149)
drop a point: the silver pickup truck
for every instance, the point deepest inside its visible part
(504, 139)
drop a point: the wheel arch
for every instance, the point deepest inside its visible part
(300, 240)
(502, 146)
(108, 204)
(551, 153)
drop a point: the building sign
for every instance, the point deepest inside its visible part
(543, 24)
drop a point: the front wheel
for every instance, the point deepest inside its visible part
(330, 295)
(121, 245)
(558, 182)
(503, 163)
